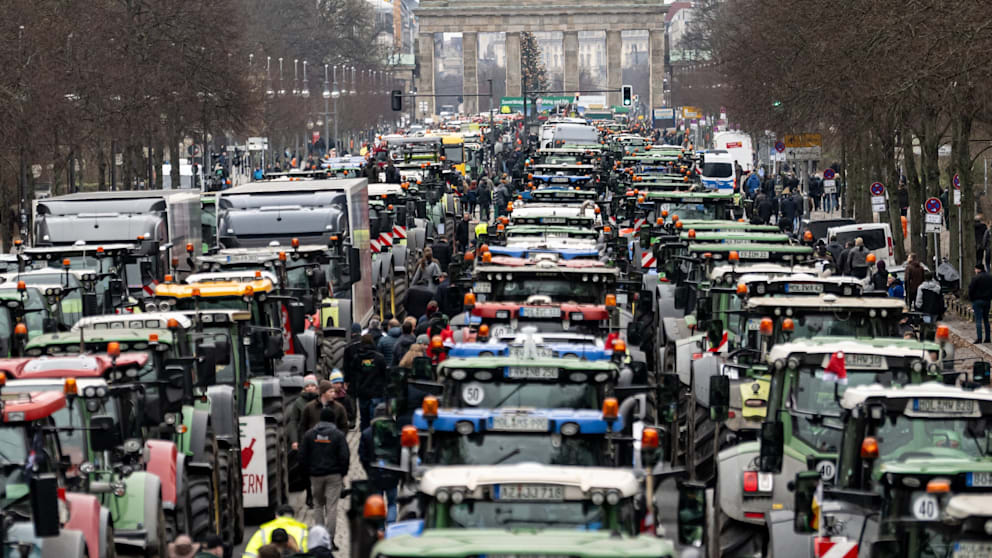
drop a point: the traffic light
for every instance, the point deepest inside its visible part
(397, 100)
(627, 93)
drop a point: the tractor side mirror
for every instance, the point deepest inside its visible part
(206, 365)
(297, 317)
(104, 436)
(354, 265)
(423, 369)
(692, 513)
(44, 491)
(273, 346)
(772, 447)
(668, 397)
(91, 305)
(804, 490)
(174, 388)
(886, 548)
(719, 398)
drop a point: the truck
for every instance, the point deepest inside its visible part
(167, 217)
(738, 145)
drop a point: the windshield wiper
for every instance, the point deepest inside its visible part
(509, 395)
(510, 454)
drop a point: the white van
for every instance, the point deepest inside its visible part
(738, 145)
(877, 237)
(718, 170)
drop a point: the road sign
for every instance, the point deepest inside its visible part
(957, 189)
(830, 186)
(803, 140)
(829, 174)
(779, 146)
(258, 144)
(957, 181)
(691, 112)
(933, 206)
(877, 189)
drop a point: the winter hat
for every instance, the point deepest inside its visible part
(280, 536)
(422, 339)
(336, 377)
(319, 537)
(309, 380)
(325, 387)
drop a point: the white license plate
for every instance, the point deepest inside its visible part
(556, 235)
(532, 373)
(553, 221)
(944, 406)
(542, 352)
(872, 362)
(530, 492)
(515, 423)
(559, 180)
(972, 550)
(622, 299)
(482, 287)
(754, 254)
(804, 288)
(530, 312)
(692, 200)
(979, 478)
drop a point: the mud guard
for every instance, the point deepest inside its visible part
(162, 461)
(69, 544)
(222, 413)
(731, 464)
(399, 258)
(291, 364)
(199, 424)
(308, 341)
(685, 347)
(89, 518)
(141, 503)
(783, 540)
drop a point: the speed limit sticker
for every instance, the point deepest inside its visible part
(472, 393)
(925, 507)
(826, 470)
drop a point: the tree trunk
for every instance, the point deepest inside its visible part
(917, 242)
(891, 173)
(962, 159)
(957, 227)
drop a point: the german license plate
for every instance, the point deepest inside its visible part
(692, 200)
(557, 235)
(559, 180)
(482, 287)
(972, 550)
(520, 423)
(531, 373)
(530, 492)
(979, 478)
(553, 220)
(947, 406)
(803, 288)
(532, 312)
(542, 352)
(754, 254)
(873, 362)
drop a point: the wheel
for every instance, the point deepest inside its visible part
(109, 543)
(272, 468)
(702, 441)
(275, 408)
(400, 282)
(199, 507)
(160, 549)
(331, 355)
(228, 501)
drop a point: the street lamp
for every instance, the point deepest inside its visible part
(335, 93)
(296, 76)
(268, 78)
(323, 121)
(281, 91)
(306, 88)
(353, 92)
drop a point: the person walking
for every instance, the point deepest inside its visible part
(835, 248)
(383, 481)
(325, 399)
(326, 457)
(372, 379)
(787, 210)
(405, 339)
(442, 252)
(980, 295)
(880, 279)
(428, 269)
(859, 259)
(295, 422)
(388, 341)
(485, 198)
(461, 233)
(914, 278)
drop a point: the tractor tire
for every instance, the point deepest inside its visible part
(111, 548)
(272, 469)
(400, 287)
(702, 441)
(277, 409)
(229, 489)
(331, 355)
(199, 507)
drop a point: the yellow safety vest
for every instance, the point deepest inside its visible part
(263, 536)
(481, 229)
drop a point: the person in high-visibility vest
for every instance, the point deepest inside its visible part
(284, 520)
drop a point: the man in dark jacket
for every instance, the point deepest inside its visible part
(392, 174)
(326, 457)
(485, 197)
(405, 339)
(787, 207)
(382, 480)
(835, 248)
(914, 277)
(461, 234)
(765, 207)
(442, 252)
(371, 378)
(980, 295)
(388, 341)
(311, 411)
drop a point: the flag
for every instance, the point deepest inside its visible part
(835, 370)
(817, 498)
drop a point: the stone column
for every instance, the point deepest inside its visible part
(470, 71)
(513, 75)
(570, 50)
(425, 83)
(614, 66)
(656, 52)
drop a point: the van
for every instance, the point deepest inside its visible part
(738, 145)
(718, 171)
(877, 238)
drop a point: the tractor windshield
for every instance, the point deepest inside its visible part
(902, 438)
(497, 448)
(816, 408)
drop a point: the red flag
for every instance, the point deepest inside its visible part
(836, 370)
